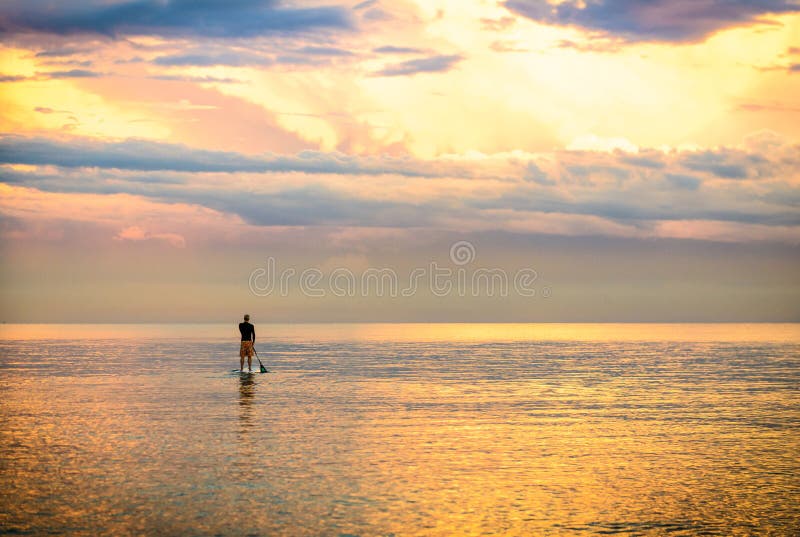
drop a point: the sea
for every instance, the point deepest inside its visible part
(401, 429)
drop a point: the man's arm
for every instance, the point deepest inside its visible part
(254, 335)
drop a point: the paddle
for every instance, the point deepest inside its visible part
(263, 369)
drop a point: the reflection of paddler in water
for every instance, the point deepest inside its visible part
(246, 434)
(247, 392)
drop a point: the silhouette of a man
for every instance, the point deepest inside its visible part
(248, 332)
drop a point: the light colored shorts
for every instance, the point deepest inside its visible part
(246, 349)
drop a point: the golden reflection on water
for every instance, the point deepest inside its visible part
(247, 392)
(382, 435)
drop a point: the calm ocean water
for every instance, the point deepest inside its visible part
(401, 430)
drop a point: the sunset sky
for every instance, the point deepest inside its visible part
(642, 156)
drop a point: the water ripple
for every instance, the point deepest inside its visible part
(390, 436)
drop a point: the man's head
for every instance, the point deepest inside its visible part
(246, 317)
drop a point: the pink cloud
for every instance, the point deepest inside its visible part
(199, 116)
(135, 233)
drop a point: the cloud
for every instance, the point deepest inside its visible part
(63, 63)
(48, 110)
(377, 15)
(365, 4)
(433, 64)
(652, 160)
(640, 207)
(728, 164)
(135, 233)
(52, 75)
(594, 45)
(72, 73)
(60, 52)
(652, 20)
(534, 173)
(167, 18)
(316, 205)
(621, 192)
(300, 59)
(588, 171)
(131, 154)
(196, 79)
(389, 49)
(144, 155)
(12, 78)
(233, 59)
(324, 51)
(649, 187)
(497, 25)
(310, 205)
(688, 182)
(631, 208)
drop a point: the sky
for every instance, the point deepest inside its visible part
(531, 160)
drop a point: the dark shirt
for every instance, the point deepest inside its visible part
(248, 331)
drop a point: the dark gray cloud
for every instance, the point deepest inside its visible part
(44, 75)
(318, 204)
(377, 15)
(324, 51)
(365, 4)
(534, 173)
(167, 18)
(142, 155)
(129, 155)
(72, 73)
(12, 78)
(432, 64)
(653, 20)
(300, 59)
(784, 194)
(197, 79)
(313, 205)
(389, 49)
(653, 161)
(232, 58)
(584, 171)
(639, 206)
(68, 63)
(628, 189)
(680, 180)
(60, 52)
(727, 164)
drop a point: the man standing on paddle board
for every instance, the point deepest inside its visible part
(248, 332)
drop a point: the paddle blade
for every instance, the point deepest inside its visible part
(263, 369)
